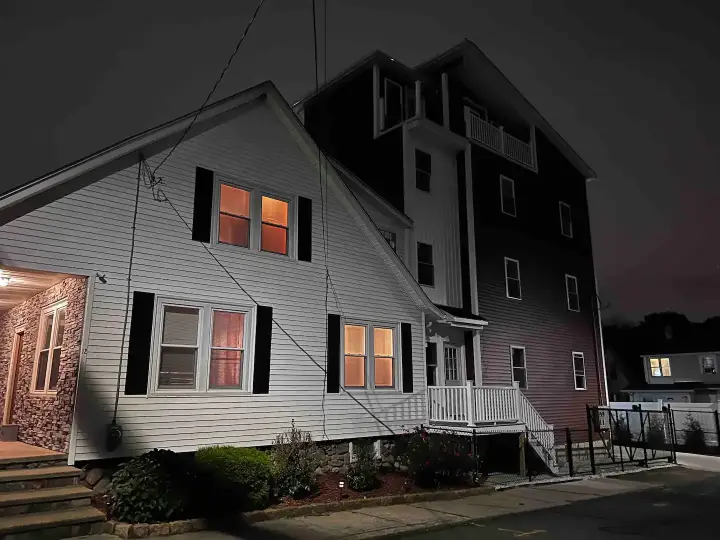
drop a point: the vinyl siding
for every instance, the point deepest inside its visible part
(684, 367)
(89, 231)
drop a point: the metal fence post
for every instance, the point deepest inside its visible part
(588, 412)
(568, 451)
(717, 430)
(673, 435)
(642, 433)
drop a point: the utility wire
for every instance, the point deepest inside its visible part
(217, 83)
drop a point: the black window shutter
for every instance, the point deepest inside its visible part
(407, 359)
(304, 229)
(138, 361)
(469, 356)
(202, 208)
(333, 360)
(263, 342)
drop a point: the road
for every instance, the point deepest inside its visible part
(686, 507)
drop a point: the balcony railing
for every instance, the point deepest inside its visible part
(494, 137)
(474, 405)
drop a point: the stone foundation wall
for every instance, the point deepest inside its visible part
(43, 420)
(335, 456)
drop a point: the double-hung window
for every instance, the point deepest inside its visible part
(423, 170)
(566, 224)
(426, 268)
(571, 289)
(362, 370)
(251, 219)
(391, 238)
(513, 288)
(660, 367)
(709, 364)
(519, 369)
(579, 370)
(46, 372)
(200, 347)
(507, 196)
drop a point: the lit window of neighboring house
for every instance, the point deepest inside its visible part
(391, 238)
(709, 364)
(660, 367)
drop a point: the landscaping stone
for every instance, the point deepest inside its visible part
(122, 530)
(198, 524)
(102, 486)
(180, 527)
(93, 476)
(159, 529)
(140, 530)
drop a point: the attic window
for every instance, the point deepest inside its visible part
(660, 367)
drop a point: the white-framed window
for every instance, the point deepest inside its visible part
(451, 356)
(431, 363)
(201, 347)
(579, 371)
(369, 355)
(426, 267)
(423, 170)
(708, 364)
(566, 224)
(392, 104)
(571, 290)
(51, 331)
(660, 367)
(519, 367)
(252, 218)
(513, 288)
(507, 196)
(391, 238)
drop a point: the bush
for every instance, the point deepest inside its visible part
(294, 460)
(621, 432)
(362, 473)
(434, 458)
(239, 476)
(694, 435)
(152, 487)
(655, 432)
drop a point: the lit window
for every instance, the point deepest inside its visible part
(566, 225)
(227, 349)
(179, 347)
(513, 288)
(507, 196)
(355, 355)
(426, 268)
(579, 369)
(423, 170)
(274, 237)
(391, 238)
(660, 367)
(383, 345)
(519, 371)
(571, 288)
(49, 349)
(234, 222)
(709, 364)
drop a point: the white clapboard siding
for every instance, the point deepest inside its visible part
(89, 231)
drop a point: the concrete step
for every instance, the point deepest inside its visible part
(43, 477)
(33, 462)
(52, 525)
(43, 500)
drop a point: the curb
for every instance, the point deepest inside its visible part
(143, 530)
(354, 504)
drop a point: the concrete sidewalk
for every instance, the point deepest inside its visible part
(388, 520)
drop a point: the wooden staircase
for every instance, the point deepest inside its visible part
(40, 499)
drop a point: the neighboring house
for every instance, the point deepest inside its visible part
(486, 205)
(679, 377)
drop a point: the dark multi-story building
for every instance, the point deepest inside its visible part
(491, 217)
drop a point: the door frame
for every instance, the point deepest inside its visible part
(15, 356)
(440, 342)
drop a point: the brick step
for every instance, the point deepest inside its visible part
(40, 478)
(52, 525)
(43, 500)
(33, 462)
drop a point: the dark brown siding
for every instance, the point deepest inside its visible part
(540, 322)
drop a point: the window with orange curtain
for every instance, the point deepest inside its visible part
(355, 355)
(274, 228)
(234, 221)
(383, 345)
(227, 349)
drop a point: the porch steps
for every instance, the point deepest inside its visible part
(45, 502)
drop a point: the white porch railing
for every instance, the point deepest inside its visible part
(495, 137)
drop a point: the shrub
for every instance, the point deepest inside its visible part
(621, 432)
(655, 431)
(434, 458)
(152, 487)
(362, 473)
(238, 476)
(294, 460)
(694, 435)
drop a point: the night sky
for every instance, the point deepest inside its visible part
(635, 90)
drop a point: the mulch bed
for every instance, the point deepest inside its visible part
(329, 490)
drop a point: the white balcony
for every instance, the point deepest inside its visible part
(495, 138)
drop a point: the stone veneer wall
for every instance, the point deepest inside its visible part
(44, 420)
(335, 456)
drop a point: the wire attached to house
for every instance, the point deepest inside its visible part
(217, 83)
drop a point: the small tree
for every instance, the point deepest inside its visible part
(621, 432)
(362, 474)
(294, 458)
(655, 431)
(694, 435)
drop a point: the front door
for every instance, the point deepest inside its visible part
(452, 361)
(12, 376)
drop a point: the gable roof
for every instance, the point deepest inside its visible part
(119, 156)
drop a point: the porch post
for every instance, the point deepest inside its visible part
(470, 403)
(518, 397)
